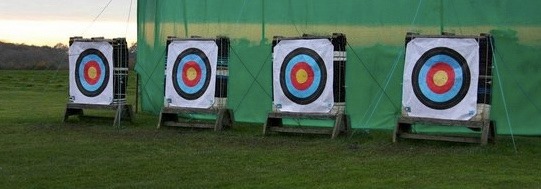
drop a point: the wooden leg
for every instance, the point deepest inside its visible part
(219, 124)
(118, 114)
(485, 130)
(348, 124)
(492, 132)
(223, 120)
(72, 111)
(395, 132)
(401, 128)
(338, 124)
(160, 120)
(166, 117)
(128, 113)
(228, 121)
(271, 122)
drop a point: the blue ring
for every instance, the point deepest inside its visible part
(320, 75)
(197, 59)
(85, 60)
(462, 77)
(84, 87)
(424, 73)
(317, 76)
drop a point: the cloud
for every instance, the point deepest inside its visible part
(46, 32)
(47, 22)
(81, 10)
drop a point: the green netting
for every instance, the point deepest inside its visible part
(375, 30)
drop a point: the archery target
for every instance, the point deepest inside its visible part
(91, 70)
(440, 78)
(302, 75)
(190, 73)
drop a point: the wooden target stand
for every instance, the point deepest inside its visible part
(480, 122)
(341, 125)
(123, 111)
(404, 129)
(274, 123)
(181, 116)
(173, 117)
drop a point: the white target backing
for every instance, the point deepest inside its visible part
(302, 75)
(191, 73)
(91, 72)
(440, 78)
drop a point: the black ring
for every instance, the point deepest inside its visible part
(465, 73)
(321, 85)
(205, 59)
(106, 72)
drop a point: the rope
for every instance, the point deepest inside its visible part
(372, 75)
(384, 88)
(152, 73)
(291, 17)
(528, 97)
(120, 58)
(254, 77)
(128, 20)
(252, 83)
(503, 98)
(97, 16)
(400, 53)
(241, 12)
(416, 14)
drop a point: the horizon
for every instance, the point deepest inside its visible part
(49, 22)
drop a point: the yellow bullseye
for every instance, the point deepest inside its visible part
(92, 72)
(191, 74)
(302, 76)
(440, 78)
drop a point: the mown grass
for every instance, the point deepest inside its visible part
(38, 151)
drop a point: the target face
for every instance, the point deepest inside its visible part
(191, 74)
(303, 76)
(91, 72)
(441, 78)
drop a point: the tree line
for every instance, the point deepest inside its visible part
(30, 57)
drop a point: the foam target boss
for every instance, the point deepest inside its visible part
(195, 83)
(98, 76)
(308, 76)
(447, 81)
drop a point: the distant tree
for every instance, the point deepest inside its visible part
(21, 56)
(133, 48)
(60, 46)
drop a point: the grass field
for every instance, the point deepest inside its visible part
(37, 150)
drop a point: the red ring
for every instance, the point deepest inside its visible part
(185, 79)
(88, 79)
(309, 81)
(440, 66)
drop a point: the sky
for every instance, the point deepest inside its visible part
(49, 22)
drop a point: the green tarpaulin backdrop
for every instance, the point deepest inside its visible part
(375, 30)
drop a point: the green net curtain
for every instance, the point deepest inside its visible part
(375, 30)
